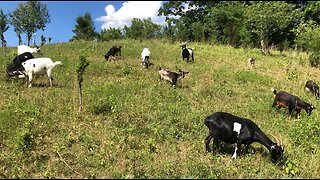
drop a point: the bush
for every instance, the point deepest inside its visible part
(314, 59)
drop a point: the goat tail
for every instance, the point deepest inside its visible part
(57, 63)
(274, 91)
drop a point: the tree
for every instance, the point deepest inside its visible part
(81, 67)
(84, 28)
(189, 12)
(109, 34)
(3, 26)
(43, 40)
(266, 18)
(226, 21)
(15, 22)
(136, 30)
(30, 17)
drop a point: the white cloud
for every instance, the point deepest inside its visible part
(130, 10)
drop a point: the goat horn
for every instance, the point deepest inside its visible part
(277, 140)
(280, 140)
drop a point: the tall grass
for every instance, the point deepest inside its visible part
(135, 126)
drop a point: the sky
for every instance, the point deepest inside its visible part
(105, 14)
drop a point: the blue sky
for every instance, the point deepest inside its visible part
(104, 13)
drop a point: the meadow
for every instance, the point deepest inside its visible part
(135, 126)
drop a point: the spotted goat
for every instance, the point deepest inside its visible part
(187, 52)
(232, 129)
(170, 76)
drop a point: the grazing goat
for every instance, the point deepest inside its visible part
(114, 50)
(186, 52)
(39, 66)
(313, 87)
(23, 48)
(16, 68)
(284, 99)
(173, 77)
(232, 129)
(252, 62)
(145, 55)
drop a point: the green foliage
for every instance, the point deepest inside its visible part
(266, 17)
(142, 29)
(227, 20)
(43, 40)
(110, 34)
(314, 59)
(84, 28)
(290, 168)
(30, 17)
(83, 63)
(307, 36)
(4, 26)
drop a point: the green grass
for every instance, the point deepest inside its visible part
(135, 126)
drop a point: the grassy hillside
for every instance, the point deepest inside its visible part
(135, 126)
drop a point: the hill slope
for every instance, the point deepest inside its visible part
(135, 126)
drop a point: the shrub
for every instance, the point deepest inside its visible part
(314, 59)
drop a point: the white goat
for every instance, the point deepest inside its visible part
(145, 56)
(39, 66)
(23, 48)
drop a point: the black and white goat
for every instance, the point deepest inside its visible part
(16, 68)
(170, 76)
(187, 52)
(114, 50)
(284, 99)
(313, 87)
(145, 56)
(39, 66)
(252, 62)
(233, 129)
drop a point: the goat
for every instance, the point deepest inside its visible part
(284, 99)
(16, 68)
(233, 129)
(39, 66)
(252, 62)
(313, 87)
(186, 52)
(173, 77)
(145, 55)
(23, 48)
(114, 50)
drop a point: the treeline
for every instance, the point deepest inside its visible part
(281, 24)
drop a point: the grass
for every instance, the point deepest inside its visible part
(135, 126)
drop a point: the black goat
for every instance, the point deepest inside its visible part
(114, 50)
(232, 129)
(313, 87)
(186, 53)
(16, 68)
(173, 77)
(284, 99)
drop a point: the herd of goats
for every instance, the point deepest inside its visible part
(222, 126)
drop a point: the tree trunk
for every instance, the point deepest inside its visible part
(29, 35)
(3, 40)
